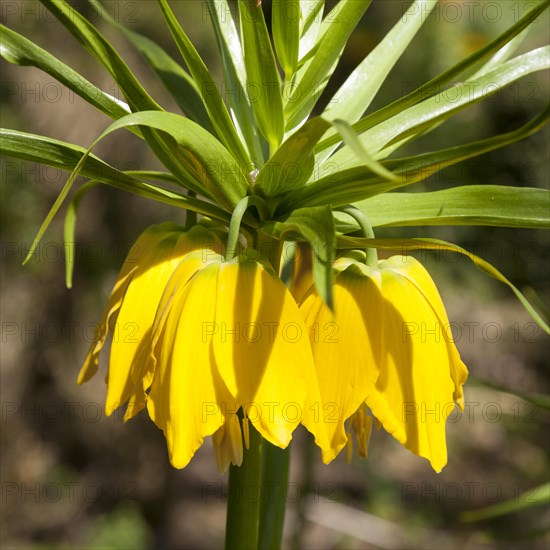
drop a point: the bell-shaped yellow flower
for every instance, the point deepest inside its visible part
(227, 336)
(131, 310)
(386, 346)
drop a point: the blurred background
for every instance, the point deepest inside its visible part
(72, 478)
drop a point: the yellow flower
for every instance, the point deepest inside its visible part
(387, 346)
(131, 310)
(228, 335)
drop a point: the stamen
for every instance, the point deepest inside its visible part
(246, 433)
(235, 436)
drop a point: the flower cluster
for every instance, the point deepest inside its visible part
(194, 387)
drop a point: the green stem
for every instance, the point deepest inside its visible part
(273, 502)
(243, 498)
(190, 216)
(275, 460)
(236, 219)
(366, 227)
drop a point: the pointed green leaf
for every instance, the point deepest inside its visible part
(286, 33)
(354, 184)
(13, 143)
(537, 496)
(316, 226)
(351, 139)
(176, 80)
(408, 245)
(439, 82)
(18, 50)
(217, 111)
(307, 89)
(356, 94)
(262, 73)
(203, 156)
(69, 230)
(292, 165)
(489, 205)
(311, 16)
(65, 156)
(136, 96)
(96, 44)
(234, 70)
(421, 117)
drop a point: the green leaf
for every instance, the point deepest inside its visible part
(292, 165)
(69, 230)
(202, 155)
(262, 73)
(234, 70)
(354, 184)
(408, 245)
(18, 50)
(217, 111)
(309, 84)
(316, 226)
(12, 143)
(351, 139)
(490, 205)
(176, 80)
(136, 96)
(538, 399)
(356, 94)
(423, 116)
(439, 82)
(66, 156)
(311, 17)
(286, 33)
(537, 496)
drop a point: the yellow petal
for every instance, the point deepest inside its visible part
(261, 347)
(344, 346)
(129, 366)
(414, 391)
(107, 322)
(183, 400)
(416, 273)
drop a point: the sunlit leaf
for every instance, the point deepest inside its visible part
(286, 33)
(262, 74)
(409, 245)
(309, 84)
(292, 165)
(207, 86)
(491, 205)
(17, 49)
(316, 226)
(235, 79)
(439, 82)
(341, 187)
(180, 85)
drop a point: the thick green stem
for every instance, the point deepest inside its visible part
(243, 498)
(274, 492)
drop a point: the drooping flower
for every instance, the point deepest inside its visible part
(229, 337)
(131, 310)
(388, 347)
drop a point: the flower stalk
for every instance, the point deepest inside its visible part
(243, 497)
